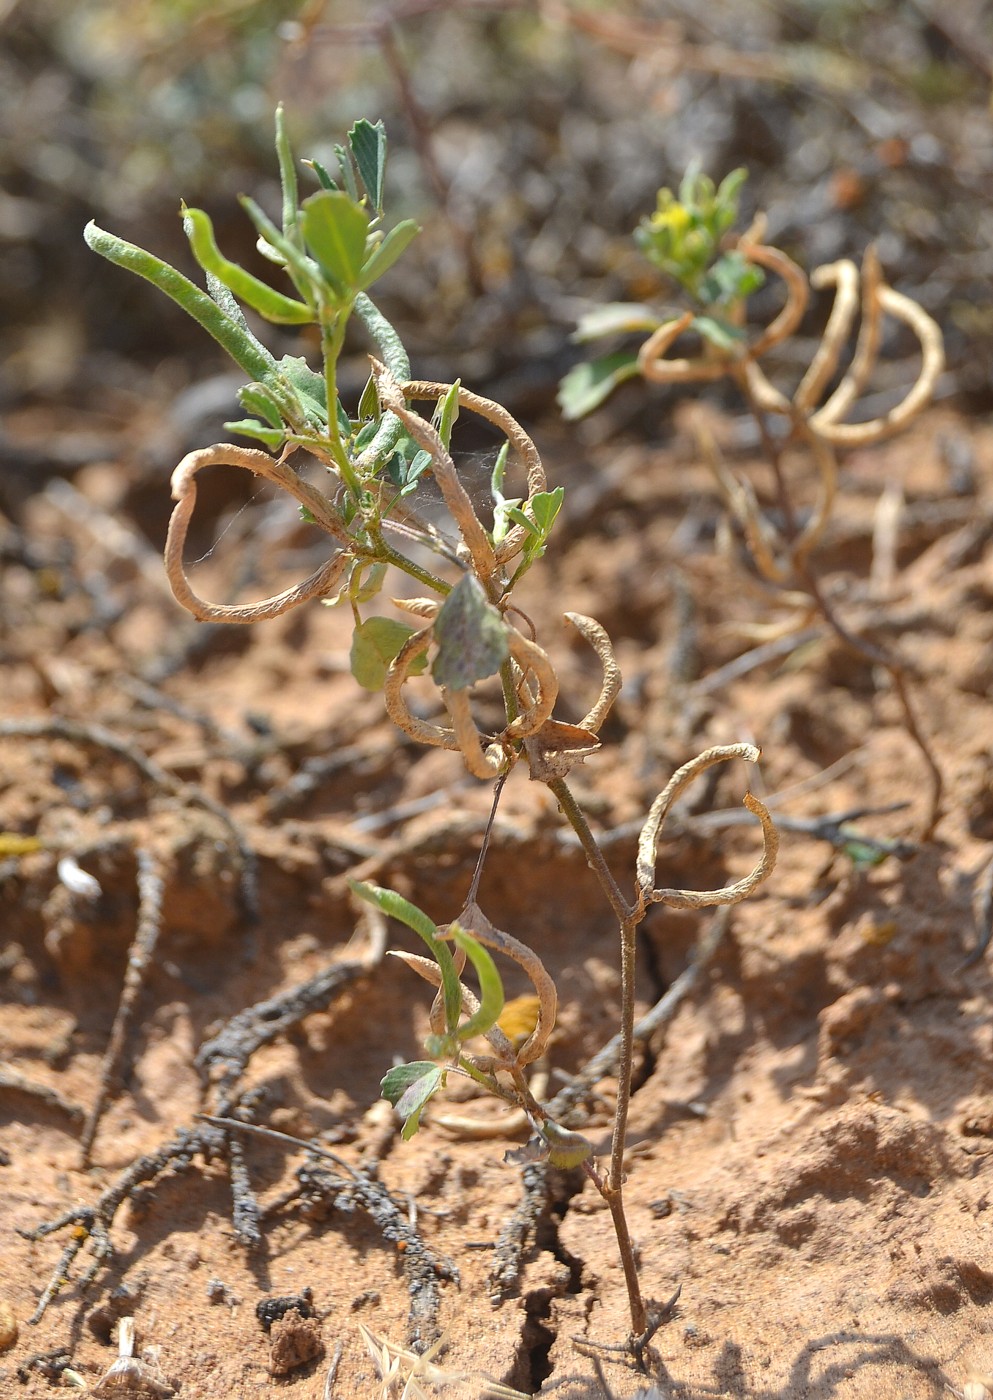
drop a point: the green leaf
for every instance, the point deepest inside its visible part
(375, 644)
(334, 227)
(446, 413)
(545, 506)
(287, 173)
(369, 402)
(471, 637)
(394, 906)
(368, 145)
(229, 331)
(722, 337)
(347, 173)
(615, 318)
(310, 387)
(396, 1081)
(491, 996)
(408, 1088)
(282, 310)
(257, 399)
(586, 386)
(251, 427)
(517, 515)
(323, 178)
(366, 434)
(395, 243)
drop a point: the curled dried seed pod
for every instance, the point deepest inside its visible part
(797, 294)
(844, 277)
(184, 491)
(396, 706)
(680, 780)
(481, 764)
(533, 659)
(765, 395)
(654, 367)
(901, 308)
(591, 630)
(740, 889)
(866, 349)
(455, 496)
(431, 973)
(513, 542)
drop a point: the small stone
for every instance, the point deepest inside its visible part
(8, 1326)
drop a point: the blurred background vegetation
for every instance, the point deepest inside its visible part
(527, 136)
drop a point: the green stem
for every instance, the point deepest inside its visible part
(384, 553)
(332, 339)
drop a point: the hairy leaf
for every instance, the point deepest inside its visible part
(334, 228)
(368, 143)
(408, 1088)
(375, 644)
(471, 637)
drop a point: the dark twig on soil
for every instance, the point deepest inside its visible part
(222, 1060)
(141, 955)
(319, 1189)
(91, 1224)
(422, 1268)
(229, 1053)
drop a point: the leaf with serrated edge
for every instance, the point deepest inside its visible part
(368, 143)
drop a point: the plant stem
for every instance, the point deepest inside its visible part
(576, 818)
(332, 339)
(612, 1190)
(384, 553)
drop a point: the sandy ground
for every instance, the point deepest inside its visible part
(811, 1134)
